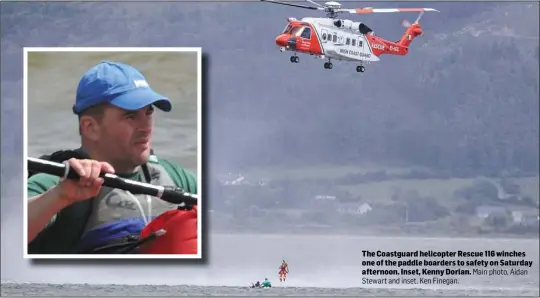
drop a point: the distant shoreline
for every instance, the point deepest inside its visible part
(338, 233)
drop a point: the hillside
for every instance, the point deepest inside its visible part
(465, 99)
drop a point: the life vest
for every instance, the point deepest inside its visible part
(112, 222)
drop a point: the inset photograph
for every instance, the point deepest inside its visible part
(113, 153)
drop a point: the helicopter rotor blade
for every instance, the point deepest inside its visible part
(313, 2)
(419, 17)
(367, 10)
(293, 5)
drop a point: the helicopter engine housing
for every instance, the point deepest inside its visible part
(348, 24)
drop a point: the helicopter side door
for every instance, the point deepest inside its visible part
(365, 50)
(304, 38)
(325, 36)
(308, 41)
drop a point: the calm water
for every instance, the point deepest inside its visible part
(158, 290)
(318, 265)
(52, 84)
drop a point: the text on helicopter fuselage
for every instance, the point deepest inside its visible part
(377, 46)
(354, 53)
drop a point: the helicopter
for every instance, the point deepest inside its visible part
(332, 38)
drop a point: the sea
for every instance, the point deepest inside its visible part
(318, 265)
(31, 289)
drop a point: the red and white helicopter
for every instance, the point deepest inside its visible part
(341, 39)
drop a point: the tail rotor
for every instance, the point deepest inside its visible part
(407, 24)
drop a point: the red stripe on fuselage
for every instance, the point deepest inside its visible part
(381, 46)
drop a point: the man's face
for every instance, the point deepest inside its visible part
(125, 136)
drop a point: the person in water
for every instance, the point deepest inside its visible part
(115, 107)
(266, 283)
(283, 270)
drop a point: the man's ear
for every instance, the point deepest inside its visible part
(89, 127)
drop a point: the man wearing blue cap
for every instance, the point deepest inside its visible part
(115, 106)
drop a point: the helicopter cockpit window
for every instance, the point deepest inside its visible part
(287, 29)
(295, 30)
(306, 33)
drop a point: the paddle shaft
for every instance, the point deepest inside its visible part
(170, 194)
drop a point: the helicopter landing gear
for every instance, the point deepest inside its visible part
(360, 68)
(328, 65)
(295, 59)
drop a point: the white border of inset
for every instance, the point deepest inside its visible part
(197, 50)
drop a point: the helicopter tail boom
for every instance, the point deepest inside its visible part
(401, 47)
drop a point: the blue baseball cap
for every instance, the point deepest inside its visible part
(118, 84)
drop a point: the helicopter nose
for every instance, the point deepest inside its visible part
(282, 40)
